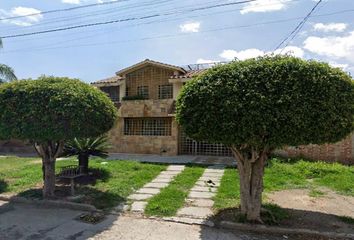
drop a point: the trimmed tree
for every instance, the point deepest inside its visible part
(49, 111)
(258, 105)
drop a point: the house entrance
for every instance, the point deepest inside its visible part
(191, 147)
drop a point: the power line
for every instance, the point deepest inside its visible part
(175, 35)
(297, 29)
(64, 9)
(123, 20)
(143, 23)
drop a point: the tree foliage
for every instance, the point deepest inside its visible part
(49, 111)
(269, 101)
(258, 105)
(53, 108)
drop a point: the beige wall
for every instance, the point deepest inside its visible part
(150, 76)
(167, 145)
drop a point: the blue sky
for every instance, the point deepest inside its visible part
(181, 36)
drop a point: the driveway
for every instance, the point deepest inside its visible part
(22, 221)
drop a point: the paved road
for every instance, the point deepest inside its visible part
(21, 221)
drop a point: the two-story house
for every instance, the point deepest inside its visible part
(145, 94)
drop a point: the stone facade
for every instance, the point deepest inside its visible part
(166, 145)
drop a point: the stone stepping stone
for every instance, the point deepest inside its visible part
(156, 185)
(175, 168)
(168, 177)
(195, 212)
(200, 202)
(161, 180)
(204, 189)
(207, 195)
(152, 188)
(140, 196)
(138, 206)
(214, 179)
(149, 190)
(205, 184)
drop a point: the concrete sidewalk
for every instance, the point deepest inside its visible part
(27, 222)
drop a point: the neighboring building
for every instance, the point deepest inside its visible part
(145, 94)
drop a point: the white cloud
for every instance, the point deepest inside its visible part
(339, 65)
(330, 27)
(332, 46)
(202, 61)
(241, 55)
(291, 50)
(21, 11)
(190, 27)
(264, 6)
(254, 52)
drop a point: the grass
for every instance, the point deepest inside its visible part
(172, 197)
(281, 175)
(228, 194)
(21, 175)
(346, 219)
(18, 174)
(316, 193)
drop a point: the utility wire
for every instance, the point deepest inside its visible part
(122, 20)
(64, 9)
(163, 20)
(174, 35)
(297, 29)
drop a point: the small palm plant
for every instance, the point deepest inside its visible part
(83, 148)
(6, 73)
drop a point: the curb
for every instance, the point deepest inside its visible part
(281, 230)
(51, 203)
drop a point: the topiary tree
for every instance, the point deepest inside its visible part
(258, 105)
(49, 111)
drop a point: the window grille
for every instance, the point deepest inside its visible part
(143, 91)
(190, 146)
(165, 91)
(148, 126)
(112, 92)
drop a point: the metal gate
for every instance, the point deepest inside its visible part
(191, 147)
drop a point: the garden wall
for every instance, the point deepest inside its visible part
(342, 151)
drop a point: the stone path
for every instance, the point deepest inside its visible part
(141, 196)
(199, 201)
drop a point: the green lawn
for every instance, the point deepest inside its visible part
(18, 174)
(119, 179)
(281, 175)
(172, 197)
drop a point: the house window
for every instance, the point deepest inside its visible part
(147, 126)
(143, 91)
(112, 92)
(165, 91)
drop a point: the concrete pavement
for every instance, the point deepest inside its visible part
(28, 222)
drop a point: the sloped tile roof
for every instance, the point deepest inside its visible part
(114, 79)
(189, 74)
(148, 61)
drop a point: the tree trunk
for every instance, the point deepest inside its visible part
(250, 164)
(49, 151)
(49, 177)
(83, 163)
